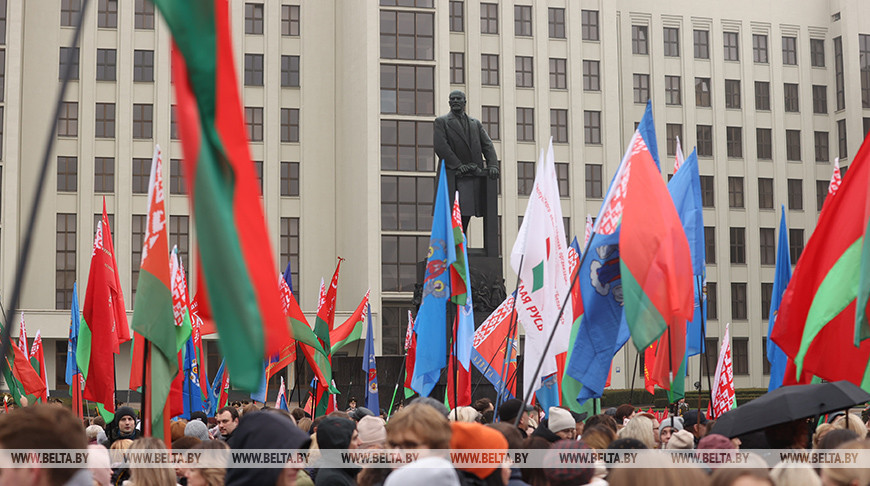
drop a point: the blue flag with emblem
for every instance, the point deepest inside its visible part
(370, 367)
(431, 323)
(191, 390)
(781, 277)
(214, 392)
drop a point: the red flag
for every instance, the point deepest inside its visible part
(491, 343)
(460, 387)
(119, 310)
(23, 371)
(76, 394)
(37, 358)
(22, 338)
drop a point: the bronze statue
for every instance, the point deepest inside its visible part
(462, 143)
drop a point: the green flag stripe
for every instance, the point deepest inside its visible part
(644, 319)
(354, 335)
(152, 313)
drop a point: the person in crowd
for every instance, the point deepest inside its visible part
(820, 432)
(120, 470)
(360, 412)
(562, 423)
(754, 474)
(788, 435)
(198, 429)
(201, 416)
(836, 437)
(336, 433)
(789, 474)
(652, 474)
(464, 414)
(299, 414)
(439, 406)
(835, 475)
(211, 470)
(696, 423)
(535, 475)
(681, 439)
(559, 475)
(96, 434)
(372, 433)
(668, 427)
(100, 465)
(853, 423)
(580, 423)
(304, 424)
(510, 409)
(602, 419)
(42, 427)
(488, 417)
(623, 413)
(261, 430)
(483, 404)
(642, 428)
(228, 420)
(598, 437)
(149, 476)
(477, 436)
(430, 471)
(351, 405)
(418, 426)
(176, 429)
(515, 443)
(123, 426)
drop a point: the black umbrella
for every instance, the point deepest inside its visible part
(789, 403)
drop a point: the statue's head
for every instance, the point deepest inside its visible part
(457, 102)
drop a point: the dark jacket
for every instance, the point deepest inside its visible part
(458, 146)
(543, 431)
(263, 430)
(335, 433)
(516, 478)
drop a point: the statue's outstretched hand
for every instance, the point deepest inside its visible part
(492, 171)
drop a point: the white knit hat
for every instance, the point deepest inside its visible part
(560, 419)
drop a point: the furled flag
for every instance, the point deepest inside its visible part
(816, 318)
(196, 333)
(217, 397)
(153, 315)
(680, 159)
(191, 391)
(460, 284)
(836, 179)
(540, 258)
(370, 366)
(305, 337)
(288, 277)
(410, 355)
(73, 375)
(21, 379)
(588, 231)
(37, 360)
(781, 277)
(489, 353)
(281, 401)
(351, 329)
(183, 331)
(324, 324)
(723, 395)
(121, 329)
(22, 338)
(431, 324)
(570, 387)
(237, 286)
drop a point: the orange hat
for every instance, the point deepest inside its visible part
(476, 436)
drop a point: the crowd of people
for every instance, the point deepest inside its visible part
(424, 425)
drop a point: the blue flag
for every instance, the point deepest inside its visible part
(72, 367)
(260, 394)
(781, 277)
(548, 394)
(370, 367)
(288, 277)
(685, 189)
(431, 323)
(191, 391)
(215, 390)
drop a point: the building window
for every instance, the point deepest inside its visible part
(525, 124)
(489, 118)
(289, 71)
(708, 199)
(591, 76)
(104, 175)
(407, 35)
(701, 39)
(762, 96)
(399, 257)
(673, 92)
(68, 122)
(821, 193)
(820, 99)
(711, 357)
(489, 69)
(69, 12)
(254, 18)
(559, 125)
(105, 120)
(524, 72)
(106, 64)
(65, 261)
(738, 245)
(822, 150)
(793, 145)
(817, 52)
(702, 92)
(741, 355)
(765, 363)
(732, 93)
(176, 177)
(525, 178)
(759, 48)
(290, 20)
(69, 57)
(457, 68)
(107, 14)
(144, 15)
(457, 16)
(764, 143)
(592, 127)
(790, 91)
(67, 174)
(556, 22)
(258, 170)
(766, 295)
(838, 73)
(290, 179)
(407, 146)
(712, 307)
(290, 250)
(589, 24)
(767, 245)
(141, 175)
(140, 222)
(179, 227)
(641, 88)
(841, 137)
(254, 69)
(406, 202)
(789, 50)
(765, 193)
(864, 58)
(710, 244)
(671, 42)
(489, 18)
(559, 73)
(704, 140)
(143, 117)
(143, 66)
(731, 45)
(674, 131)
(639, 39)
(522, 20)
(735, 192)
(734, 142)
(254, 123)
(796, 194)
(173, 123)
(795, 243)
(564, 187)
(289, 125)
(593, 181)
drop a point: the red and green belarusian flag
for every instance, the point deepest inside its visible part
(236, 262)
(153, 315)
(37, 360)
(323, 326)
(304, 338)
(816, 323)
(183, 329)
(351, 329)
(21, 379)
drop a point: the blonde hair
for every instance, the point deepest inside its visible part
(121, 445)
(846, 475)
(639, 427)
(212, 474)
(820, 432)
(425, 422)
(855, 424)
(786, 474)
(158, 476)
(466, 414)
